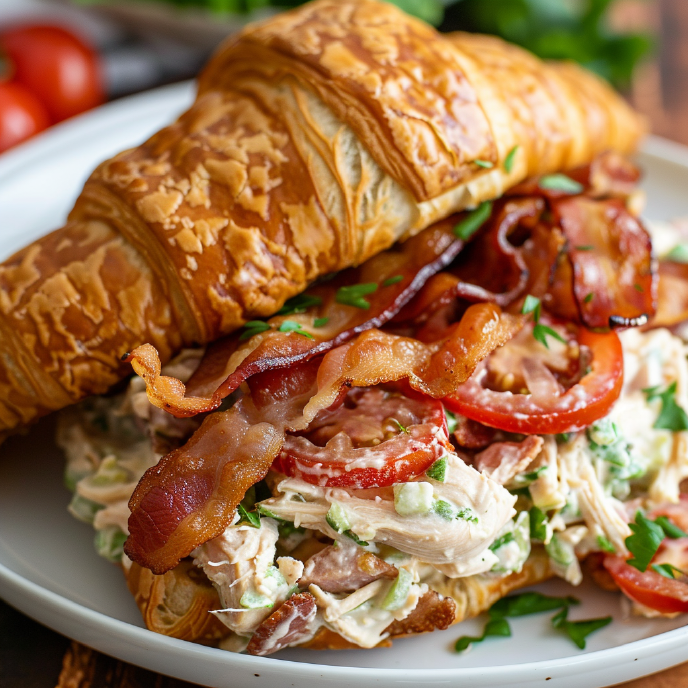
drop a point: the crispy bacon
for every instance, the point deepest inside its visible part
(672, 295)
(345, 568)
(502, 461)
(232, 360)
(191, 495)
(611, 258)
(433, 611)
(470, 434)
(291, 623)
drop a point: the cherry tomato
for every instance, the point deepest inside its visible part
(662, 594)
(59, 68)
(21, 115)
(544, 406)
(377, 437)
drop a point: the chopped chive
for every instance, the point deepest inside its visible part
(392, 280)
(605, 545)
(401, 428)
(320, 322)
(470, 224)
(254, 327)
(671, 530)
(299, 304)
(560, 182)
(353, 295)
(589, 298)
(484, 163)
(501, 541)
(532, 305)
(541, 332)
(587, 247)
(637, 287)
(666, 570)
(293, 326)
(510, 158)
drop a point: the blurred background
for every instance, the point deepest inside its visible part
(60, 57)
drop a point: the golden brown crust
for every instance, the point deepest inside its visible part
(318, 138)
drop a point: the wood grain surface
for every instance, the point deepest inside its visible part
(32, 656)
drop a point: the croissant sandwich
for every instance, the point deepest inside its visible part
(391, 306)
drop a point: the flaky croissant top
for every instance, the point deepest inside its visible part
(317, 139)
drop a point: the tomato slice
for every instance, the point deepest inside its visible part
(545, 406)
(376, 438)
(664, 595)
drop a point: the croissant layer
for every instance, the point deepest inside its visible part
(318, 138)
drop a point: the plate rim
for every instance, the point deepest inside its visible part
(22, 593)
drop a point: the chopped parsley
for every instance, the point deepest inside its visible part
(299, 304)
(254, 327)
(589, 298)
(510, 158)
(438, 470)
(392, 280)
(604, 544)
(645, 541)
(671, 416)
(578, 631)
(320, 322)
(560, 182)
(293, 326)
(667, 570)
(250, 517)
(637, 287)
(671, 530)
(527, 603)
(494, 627)
(587, 247)
(486, 164)
(502, 540)
(353, 295)
(470, 224)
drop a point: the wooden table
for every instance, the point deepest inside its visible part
(32, 656)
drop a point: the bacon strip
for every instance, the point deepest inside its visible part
(433, 611)
(191, 495)
(502, 461)
(672, 295)
(611, 256)
(230, 361)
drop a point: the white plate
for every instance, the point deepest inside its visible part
(49, 570)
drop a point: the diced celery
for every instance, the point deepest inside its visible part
(254, 600)
(603, 432)
(337, 518)
(110, 472)
(560, 551)
(412, 499)
(84, 509)
(109, 543)
(398, 594)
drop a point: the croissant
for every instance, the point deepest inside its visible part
(317, 139)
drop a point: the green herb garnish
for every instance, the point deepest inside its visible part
(671, 416)
(671, 530)
(605, 545)
(538, 524)
(645, 541)
(392, 280)
(510, 158)
(578, 631)
(637, 287)
(541, 332)
(589, 298)
(527, 603)
(494, 627)
(299, 304)
(678, 254)
(486, 164)
(667, 570)
(250, 517)
(320, 322)
(501, 541)
(293, 326)
(402, 429)
(353, 295)
(587, 247)
(254, 327)
(532, 305)
(438, 470)
(470, 224)
(560, 182)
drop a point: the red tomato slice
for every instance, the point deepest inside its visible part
(548, 408)
(376, 438)
(57, 67)
(21, 115)
(649, 588)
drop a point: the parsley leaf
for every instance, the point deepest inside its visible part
(293, 326)
(250, 517)
(254, 327)
(470, 224)
(645, 541)
(353, 295)
(494, 627)
(671, 530)
(438, 470)
(299, 304)
(541, 332)
(666, 570)
(672, 416)
(486, 164)
(392, 280)
(320, 322)
(560, 182)
(578, 631)
(527, 603)
(510, 158)
(604, 544)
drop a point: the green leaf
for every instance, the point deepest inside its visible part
(486, 164)
(666, 570)
(254, 327)
(671, 416)
(604, 544)
(299, 304)
(501, 541)
(645, 541)
(587, 247)
(350, 534)
(470, 224)
(293, 326)
(438, 470)
(353, 295)
(560, 182)
(452, 421)
(320, 322)
(578, 631)
(510, 158)
(430, 11)
(494, 627)
(392, 280)
(250, 517)
(538, 524)
(532, 305)
(402, 429)
(527, 603)
(541, 332)
(671, 530)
